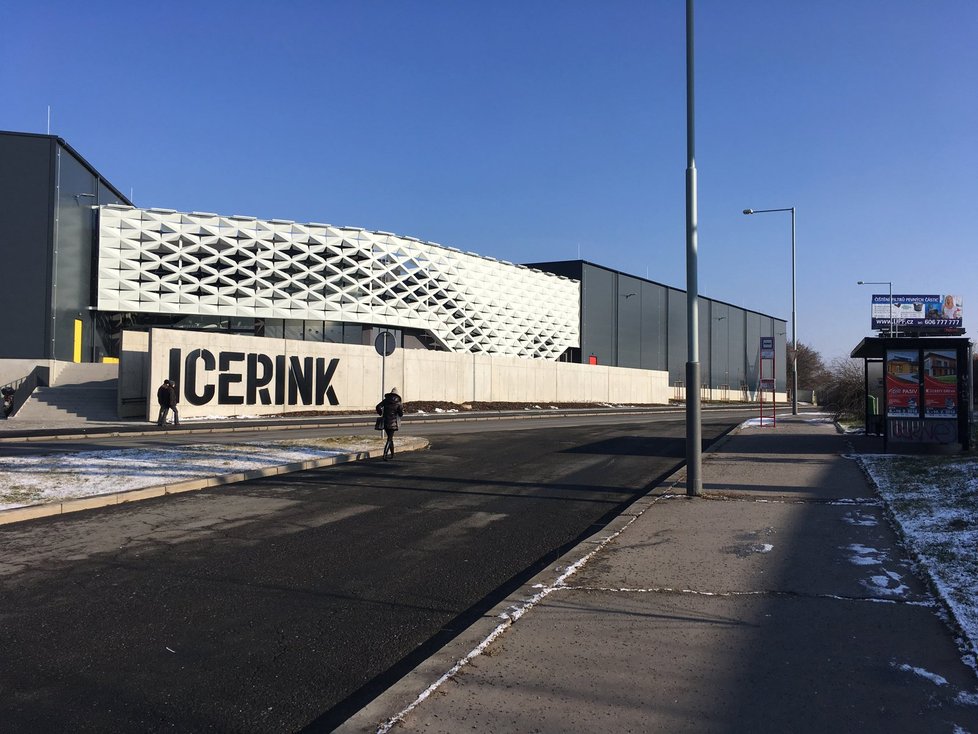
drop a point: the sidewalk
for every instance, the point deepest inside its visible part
(779, 601)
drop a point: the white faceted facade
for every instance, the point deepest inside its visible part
(166, 262)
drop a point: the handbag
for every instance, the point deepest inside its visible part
(379, 423)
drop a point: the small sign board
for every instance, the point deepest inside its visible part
(766, 383)
(385, 343)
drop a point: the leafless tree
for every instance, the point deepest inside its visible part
(844, 392)
(812, 373)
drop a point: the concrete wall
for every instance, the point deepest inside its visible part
(237, 370)
(133, 374)
(13, 370)
(720, 395)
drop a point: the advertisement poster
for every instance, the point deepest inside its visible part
(917, 312)
(940, 384)
(902, 383)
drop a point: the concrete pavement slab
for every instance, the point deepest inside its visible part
(740, 546)
(798, 459)
(587, 661)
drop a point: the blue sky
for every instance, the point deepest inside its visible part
(543, 129)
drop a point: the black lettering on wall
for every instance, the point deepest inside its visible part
(173, 373)
(323, 377)
(190, 369)
(280, 379)
(225, 379)
(300, 380)
(254, 385)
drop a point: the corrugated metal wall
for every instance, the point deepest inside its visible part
(633, 322)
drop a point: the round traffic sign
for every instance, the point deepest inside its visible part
(384, 344)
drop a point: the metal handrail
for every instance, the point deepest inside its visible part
(25, 387)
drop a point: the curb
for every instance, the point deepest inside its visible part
(138, 432)
(51, 509)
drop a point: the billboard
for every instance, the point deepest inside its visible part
(940, 383)
(902, 383)
(911, 313)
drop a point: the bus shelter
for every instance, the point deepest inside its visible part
(918, 389)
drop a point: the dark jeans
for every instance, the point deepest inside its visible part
(161, 419)
(389, 446)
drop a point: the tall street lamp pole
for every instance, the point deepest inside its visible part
(794, 319)
(889, 284)
(694, 447)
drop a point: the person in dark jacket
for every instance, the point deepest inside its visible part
(166, 396)
(392, 410)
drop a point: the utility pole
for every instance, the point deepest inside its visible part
(694, 432)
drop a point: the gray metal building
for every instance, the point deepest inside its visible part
(47, 191)
(628, 321)
(49, 242)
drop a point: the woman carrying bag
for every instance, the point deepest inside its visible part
(390, 410)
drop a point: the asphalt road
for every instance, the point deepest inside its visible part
(287, 603)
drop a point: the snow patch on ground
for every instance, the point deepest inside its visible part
(932, 677)
(860, 519)
(32, 480)
(864, 555)
(820, 419)
(934, 499)
(758, 423)
(967, 699)
(888, 583)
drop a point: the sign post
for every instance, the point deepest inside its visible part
(384, 344)
(765, 383)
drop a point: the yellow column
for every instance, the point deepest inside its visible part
(78, 341)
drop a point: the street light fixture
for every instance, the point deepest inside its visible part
(889, 284)
(794, 320)
(726, 352)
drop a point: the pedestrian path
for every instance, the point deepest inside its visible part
(779, 600)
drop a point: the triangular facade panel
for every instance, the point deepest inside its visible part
(240, 266)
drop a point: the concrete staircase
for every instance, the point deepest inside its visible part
(78, 392)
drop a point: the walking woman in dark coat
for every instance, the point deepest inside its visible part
(392, 411)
